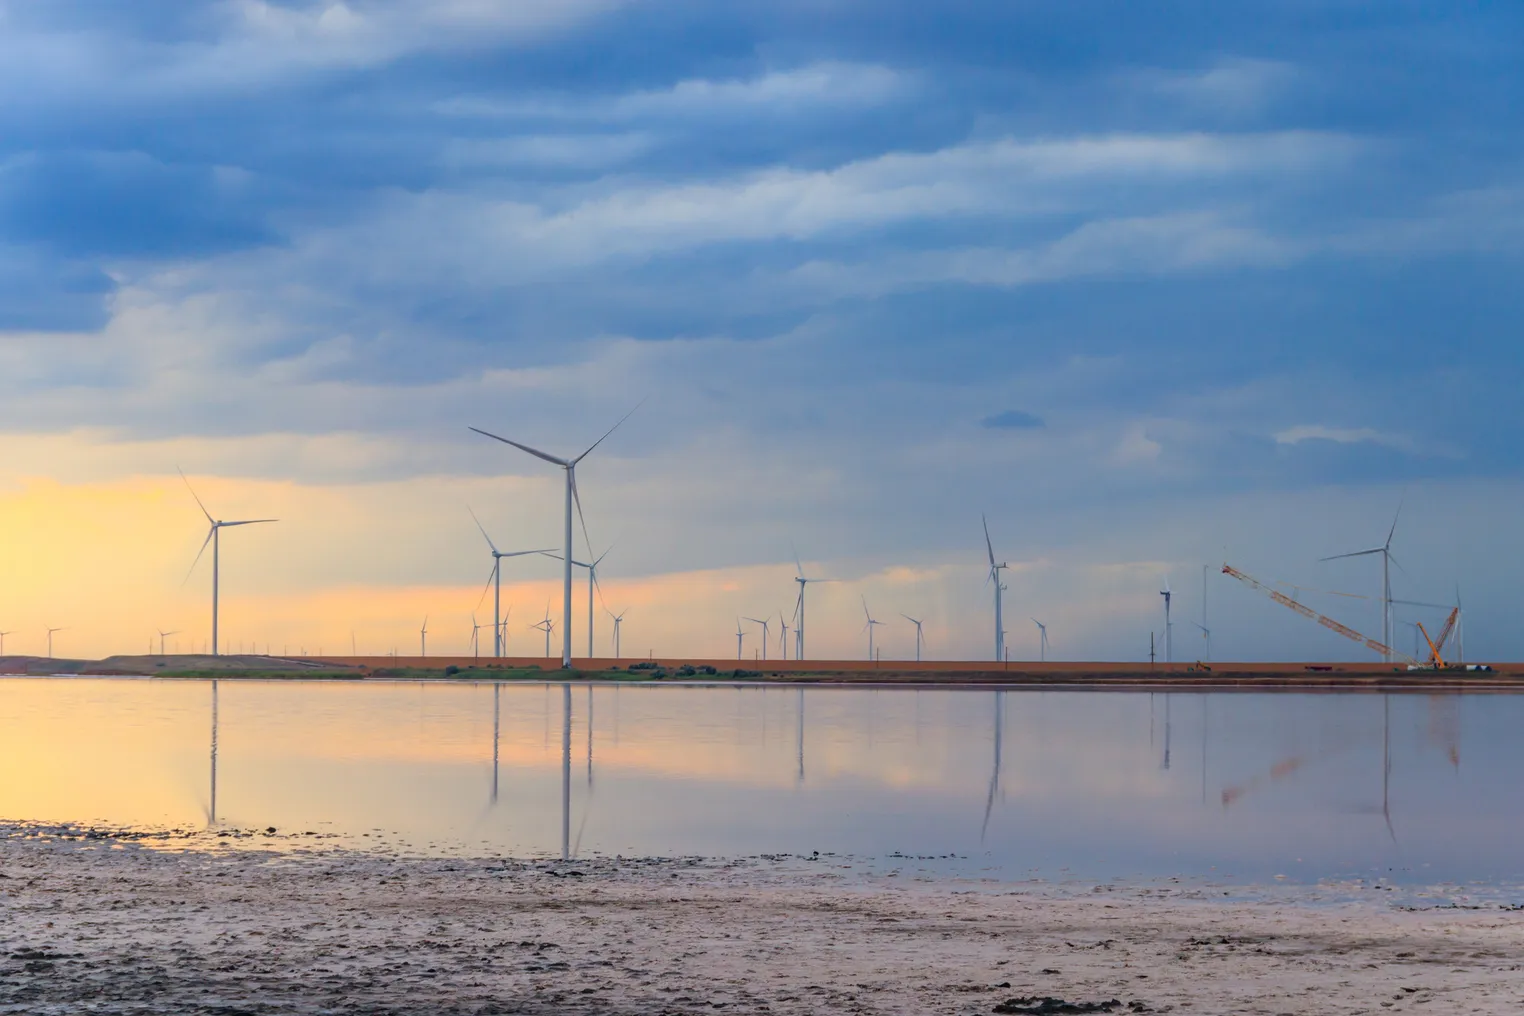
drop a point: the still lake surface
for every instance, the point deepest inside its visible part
(1414, 789)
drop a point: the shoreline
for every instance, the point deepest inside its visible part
(1249, 677)
(106, 923)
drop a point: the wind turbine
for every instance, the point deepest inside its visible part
(918, 637)
(50, 640)
(162, 634)
(213, 537)
(740, 636)
(994, 576)
(1206, 635)
(1385, 550)
(3, 634)
(869, 626)
(1169, 628)
(423, 637)
(783, 636)
(499, 627)
(476, 637)
(799, 606)
(592, 584)
(754, 620)
(1042, 638)
(618, 618)
(546, 626)
(570, 465)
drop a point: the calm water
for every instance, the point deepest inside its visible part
(1241, 787)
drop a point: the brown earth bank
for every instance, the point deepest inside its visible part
(97, 922)
(1228, 675)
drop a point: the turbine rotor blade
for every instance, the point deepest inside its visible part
(611, 430)
(483, 529)
(209, 534)
(247, 522)
(524, 448)
(1354, 553)
(193, 494)
(987, 544)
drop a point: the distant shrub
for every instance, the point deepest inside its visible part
(451, 670)
(645, 665)
(686, 671)
(744, 673)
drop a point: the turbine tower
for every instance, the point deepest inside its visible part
(764, 624)
(423, 637)
(499, 626)
(592, 584)
(476, 637)
(570, 466)
(50, 640)
(546, 626)
(782, 636)
(994, 577)
(740, 636)
(1042, 640)
(213, 537)
(918, 637)
(3, 634)
(869, 626)
(162, 634)
(1169, 629)
(1385, 550)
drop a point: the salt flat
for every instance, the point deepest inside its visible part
(105, 924)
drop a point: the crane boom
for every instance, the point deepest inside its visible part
(1444, 633)
(1312, 615)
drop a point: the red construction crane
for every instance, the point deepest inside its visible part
(1309, 613)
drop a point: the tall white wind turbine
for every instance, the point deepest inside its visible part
(213, 537)
(423, 637)
(994, 577)
(1169, 628)
(740, 637)
(764, 624)
(799, 607)
(547, 626)
(592, 586)
(499, 627)
(50, 640)
(1042, 640)
(782, 636)
(1385, 550)
(3, 634)
(918, 636)
(869, 626)
(570, 465)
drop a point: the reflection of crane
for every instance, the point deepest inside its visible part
(1309, 613)
(1435, 660)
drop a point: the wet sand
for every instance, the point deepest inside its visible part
(105, 924)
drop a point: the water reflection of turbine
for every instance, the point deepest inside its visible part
(566, 718)
(587, 804)
(1205, 700)
(1167, 728)
(989, 804)
(211, 817)
(497, 693)
(799, 737)
(1386, 764)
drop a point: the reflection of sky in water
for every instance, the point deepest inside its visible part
(1241, 786)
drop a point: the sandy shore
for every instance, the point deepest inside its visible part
(107, 925)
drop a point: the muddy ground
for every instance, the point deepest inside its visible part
(104, 924)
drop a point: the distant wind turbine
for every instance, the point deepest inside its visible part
(754, 620)
(3, 634)
(162, 634)
(740, 637)
(799, 606)
(1042, 638)
(495, 579)
(782, 636)
(592, 585)
(213, 537)
(50, 640)
(1169, 628)
(476, 637)
(570, 465)
(546, 626)
(994, 577)
(618, 619)
(919, 638)
(869, 626)
(423, 637)
(1385, 550)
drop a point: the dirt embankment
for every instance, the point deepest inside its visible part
(101, 926)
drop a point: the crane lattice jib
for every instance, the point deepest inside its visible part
(1312, 615)
(1444, 633)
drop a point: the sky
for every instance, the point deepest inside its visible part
(1149, 287)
